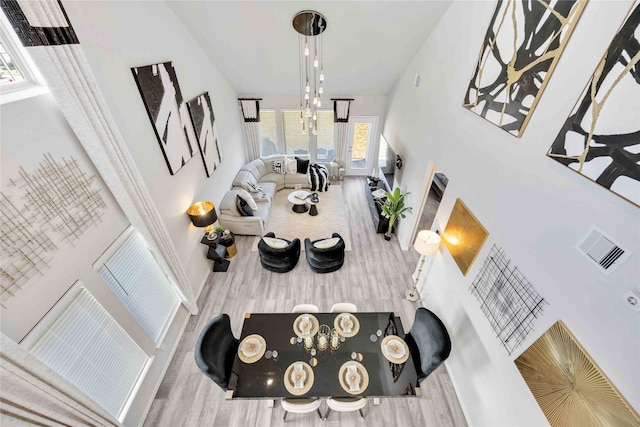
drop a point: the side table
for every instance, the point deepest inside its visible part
(229, 242)
(216, 253)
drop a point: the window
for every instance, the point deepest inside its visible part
(19, 77)
(325, 146)
(269, 133)
(294, 141)
(135, 277)
(9, 73)
(80, 340)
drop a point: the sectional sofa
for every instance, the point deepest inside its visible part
(261, 173)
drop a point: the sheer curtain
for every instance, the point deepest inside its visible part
(251, 114)
(341, 120)
(45, 31)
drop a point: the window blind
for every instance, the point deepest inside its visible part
(89, 348)
(137, 280)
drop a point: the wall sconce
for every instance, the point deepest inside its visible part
(203, 214)
(426, 244)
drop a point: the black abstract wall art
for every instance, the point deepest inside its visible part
(519, 52)
(206, 133)
(167, 111)
(601, 138)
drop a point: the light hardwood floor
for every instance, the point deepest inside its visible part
(374, 277)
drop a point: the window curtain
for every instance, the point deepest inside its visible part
(32, 394)
(251, 114)
(341, 120)
(45, 31)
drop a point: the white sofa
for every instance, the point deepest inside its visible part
(258, 172)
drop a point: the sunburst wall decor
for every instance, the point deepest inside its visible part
(569, 387)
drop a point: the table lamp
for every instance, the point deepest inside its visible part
(426, 244)
(203, 214)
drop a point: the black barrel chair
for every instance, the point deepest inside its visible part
(428, 341)
(279, 260)
(325, 260)
(215, 350)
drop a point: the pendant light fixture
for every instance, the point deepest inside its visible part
(310, 25)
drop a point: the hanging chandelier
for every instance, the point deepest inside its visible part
(310, 25)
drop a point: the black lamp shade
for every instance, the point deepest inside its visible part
(202, 214)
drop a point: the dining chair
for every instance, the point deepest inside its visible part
(216, 349)
(301, 406)
(428, 341)
(306, 308)
(344, 307)
(345, 404)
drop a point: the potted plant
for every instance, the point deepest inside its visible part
(393, 208)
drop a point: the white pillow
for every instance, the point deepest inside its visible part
(290, 165)
(248, 198)
(275, 243)
(326, 243)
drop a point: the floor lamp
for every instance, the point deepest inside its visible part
(426, 244)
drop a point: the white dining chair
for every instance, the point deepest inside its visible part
(301, 406)
(306, 308)
(344, 307)
(345, 404)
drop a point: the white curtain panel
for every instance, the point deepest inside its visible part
(250, 109)
(341, 110)
(74, 86)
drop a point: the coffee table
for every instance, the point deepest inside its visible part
(299, 200)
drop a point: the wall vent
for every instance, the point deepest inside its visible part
(601, 251)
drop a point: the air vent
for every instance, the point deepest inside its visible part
(602, 251)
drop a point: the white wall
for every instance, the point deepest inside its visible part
(532, 206)
(119, 35)
(30, 128)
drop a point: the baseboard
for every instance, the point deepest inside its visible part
(455, 387)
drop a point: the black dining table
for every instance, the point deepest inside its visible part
(265, 377)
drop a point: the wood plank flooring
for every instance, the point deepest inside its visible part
(374, 277)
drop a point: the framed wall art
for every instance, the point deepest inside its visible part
(206, 133)
(463, 236)
(519, 52)
(568, 385)
(601, 138)
(167, 111)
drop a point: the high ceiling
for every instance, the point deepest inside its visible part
(367, 44)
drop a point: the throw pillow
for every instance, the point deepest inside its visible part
(302, 165)
(290, 165)
(248, 198)
(243, 207)
(275, 243)
(326, 243)
(278, 166)
(254, 188)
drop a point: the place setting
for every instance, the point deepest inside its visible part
(298, 378)
(394, 349)
(354, 377)
(346, 324)
(305, 325)
(252, 348)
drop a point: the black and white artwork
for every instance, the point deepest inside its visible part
(601, 138)
(520, 49)
(507, 299)
(206, 133)
(167, 111)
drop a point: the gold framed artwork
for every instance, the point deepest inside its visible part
(568, 385)
(463, 236)
(599, 140)
(520, 49)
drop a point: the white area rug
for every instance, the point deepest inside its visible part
(331, 218)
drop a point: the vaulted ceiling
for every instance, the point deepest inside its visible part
(367, 44)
